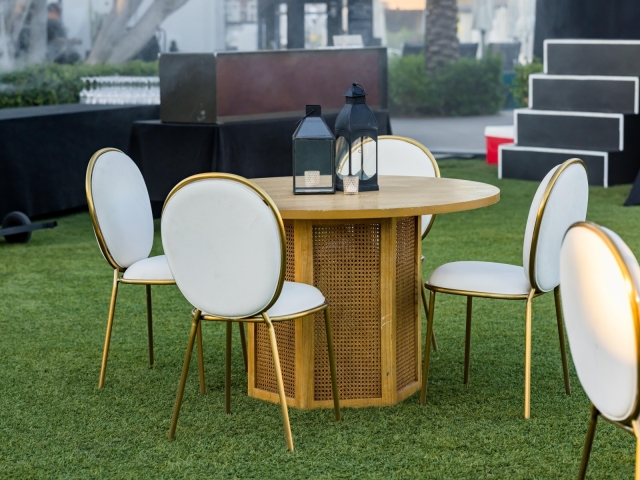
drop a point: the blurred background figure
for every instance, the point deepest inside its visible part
(60, 49)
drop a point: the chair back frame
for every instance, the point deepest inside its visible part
(634, 300)
(540, 215)
(265, 198)
(92, 209)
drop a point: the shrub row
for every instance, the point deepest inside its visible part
(465, 87)
(520, 86)
(52, 83)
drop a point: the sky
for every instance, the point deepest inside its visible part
(405, 4)
(415, 4)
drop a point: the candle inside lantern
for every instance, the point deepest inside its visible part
(351, 184)
(311, 178)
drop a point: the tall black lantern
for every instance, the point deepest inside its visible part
(356, 132)
(313, 155)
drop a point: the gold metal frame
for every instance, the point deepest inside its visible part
(533, 293)
(631, 424)
(198, 316)
(539, 215)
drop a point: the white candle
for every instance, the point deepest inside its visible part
(351, 184)
(311, 178)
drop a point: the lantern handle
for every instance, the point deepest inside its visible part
(312, 111)
(356, 84)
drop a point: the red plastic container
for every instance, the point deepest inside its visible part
(497, 135)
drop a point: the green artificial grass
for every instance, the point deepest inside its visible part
(55, 423)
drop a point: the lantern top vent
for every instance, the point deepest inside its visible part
(355, 90)
(313, 125)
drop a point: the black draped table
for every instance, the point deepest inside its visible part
(44, 152)
(169, 152)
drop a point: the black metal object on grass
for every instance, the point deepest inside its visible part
(17, 227)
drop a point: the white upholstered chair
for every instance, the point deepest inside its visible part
(402, 156)
(560, 201)
(120, 211)
(225, 243)
(600, 286)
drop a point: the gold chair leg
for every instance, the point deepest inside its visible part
(434, 342)
(467, 341)
(283, 398)
(332, 365)
(150, 325)
(243, 341)
(227, 378)
(563, 350)
(427, 349)
(588, 443)
(527, 356)
(195, 325)
(107, 339)
(636, 431)
(203, 387)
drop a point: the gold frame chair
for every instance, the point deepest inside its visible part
(118, 271)
(631, 424)
(434, 163)
(533, 293)
(199, 316)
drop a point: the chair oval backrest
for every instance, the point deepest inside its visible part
(599, 282)
(560, 201)
(120, 208)
(225, 244)
(405, 157)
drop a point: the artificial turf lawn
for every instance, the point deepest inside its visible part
(55, 423)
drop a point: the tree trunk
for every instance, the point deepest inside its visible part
(441, 40)
(37, 32)
(116, 43)
(113, 27)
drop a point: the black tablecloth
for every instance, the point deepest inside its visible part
(44, 152)
(169, 152)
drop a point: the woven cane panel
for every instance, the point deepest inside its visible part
(291, 259)
(285, 338)
(346, 269)
(406, 298)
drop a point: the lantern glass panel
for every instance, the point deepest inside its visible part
(313, 163)
(363, 157)
(342, 157)
(364, 151)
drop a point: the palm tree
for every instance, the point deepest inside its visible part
(441, 40)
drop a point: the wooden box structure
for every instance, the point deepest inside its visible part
(238, 86)
(367, 269)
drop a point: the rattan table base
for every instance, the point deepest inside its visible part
(367, 269)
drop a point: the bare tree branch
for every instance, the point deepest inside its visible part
(115, 43)
(137, 37)
(113, 26)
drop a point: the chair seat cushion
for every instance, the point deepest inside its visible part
(481, 277)
(152, 268)
(294, 298)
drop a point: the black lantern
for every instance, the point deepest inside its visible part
(356, 144)
(313, 155)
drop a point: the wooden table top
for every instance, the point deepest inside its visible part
(398, 197)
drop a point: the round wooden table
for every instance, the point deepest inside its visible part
(363, 253)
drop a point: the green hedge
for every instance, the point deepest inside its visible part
(51, 83)
(465, 87)
(520, 85)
